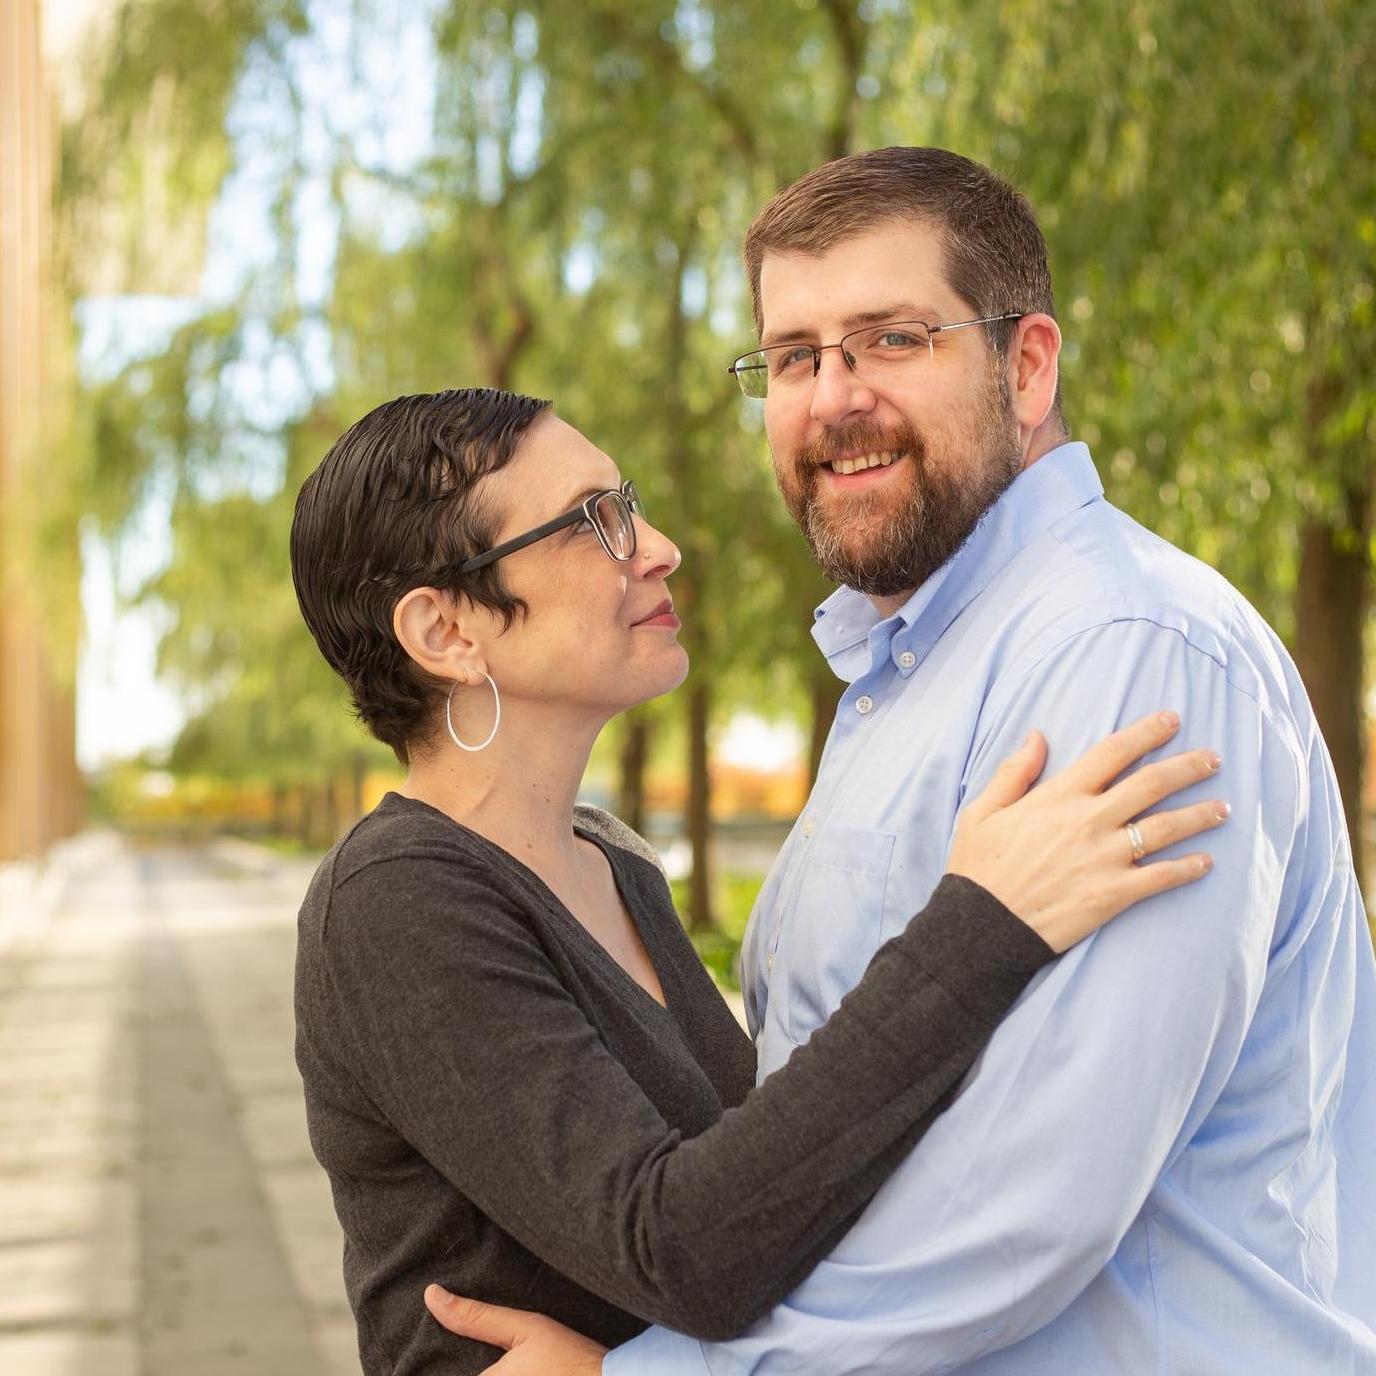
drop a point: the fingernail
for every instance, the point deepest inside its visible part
(1215, 761)
(1206, 863)
(1224, 810)
(1170, 720)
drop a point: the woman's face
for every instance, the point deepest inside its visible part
(599, 633)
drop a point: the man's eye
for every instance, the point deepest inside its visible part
(788, 360)
(896, 339)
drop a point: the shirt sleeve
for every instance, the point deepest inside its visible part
(1021, 1192)
(463, 1035)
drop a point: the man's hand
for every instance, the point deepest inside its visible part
(536, 1346)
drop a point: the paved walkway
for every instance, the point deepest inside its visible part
(161, 1213)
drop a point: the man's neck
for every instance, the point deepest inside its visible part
(886, 606)
(1042, 442)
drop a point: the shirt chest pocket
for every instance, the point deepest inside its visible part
(836, 922)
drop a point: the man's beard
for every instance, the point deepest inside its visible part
(869, 542)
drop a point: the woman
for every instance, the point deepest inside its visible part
(520, 1080)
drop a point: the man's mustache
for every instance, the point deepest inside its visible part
(859, 439)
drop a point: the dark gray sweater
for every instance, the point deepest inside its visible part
(502, 1109)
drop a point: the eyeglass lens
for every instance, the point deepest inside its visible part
(613, 515)
(871, 351)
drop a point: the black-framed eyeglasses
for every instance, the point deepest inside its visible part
(871, 354)
(610, 513)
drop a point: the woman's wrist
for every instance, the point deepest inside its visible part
(977, 947)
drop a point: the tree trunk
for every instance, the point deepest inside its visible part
(700, 912)
(826, 693)
(636, 734)
(281, 801)
(305, 815)
(688, 583)
(1332, 600)
(329, 814)
(358, 777)
(849, 30)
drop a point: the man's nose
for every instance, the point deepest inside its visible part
(837, 394)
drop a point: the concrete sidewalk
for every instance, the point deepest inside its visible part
(160, 1209)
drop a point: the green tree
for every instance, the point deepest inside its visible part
(571, 228)
(1215, 270)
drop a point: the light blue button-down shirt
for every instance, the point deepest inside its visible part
(1165, 1161)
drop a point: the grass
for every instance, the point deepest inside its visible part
(719, 948)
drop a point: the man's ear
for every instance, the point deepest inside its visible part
(1033, 369)
(433, 627)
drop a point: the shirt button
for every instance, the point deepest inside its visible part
(907, 659)
(864, 705)
(809, 827)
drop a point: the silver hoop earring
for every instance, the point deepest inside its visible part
(449, 718)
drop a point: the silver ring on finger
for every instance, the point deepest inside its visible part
(1139, 850)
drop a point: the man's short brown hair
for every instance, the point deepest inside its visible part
(994, 253)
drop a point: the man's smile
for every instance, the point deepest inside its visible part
(861, 471)
(857, 463)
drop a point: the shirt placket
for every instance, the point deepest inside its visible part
(859, 709)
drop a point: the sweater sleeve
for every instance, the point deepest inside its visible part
(463, 1034)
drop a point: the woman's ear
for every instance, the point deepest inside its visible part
(432, 627)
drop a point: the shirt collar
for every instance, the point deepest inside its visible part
(1060, 482)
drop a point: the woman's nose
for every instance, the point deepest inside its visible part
(656, 555)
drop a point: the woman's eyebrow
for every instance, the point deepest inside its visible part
(579, 497)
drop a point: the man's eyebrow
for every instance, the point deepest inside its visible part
(902, 310)
(785, 337)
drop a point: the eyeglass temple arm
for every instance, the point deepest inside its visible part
(582, 512)
(983, 320)
(521, 541)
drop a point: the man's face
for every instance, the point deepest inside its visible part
(886, 529)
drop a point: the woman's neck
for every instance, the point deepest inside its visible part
(519, 792)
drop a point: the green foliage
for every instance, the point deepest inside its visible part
(1206, 176)
(719, 949)
(155, 137)
(1215, 270)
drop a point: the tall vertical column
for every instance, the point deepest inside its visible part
(40, 788)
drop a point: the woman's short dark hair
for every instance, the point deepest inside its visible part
(392, 507)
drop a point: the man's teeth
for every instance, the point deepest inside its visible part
(864, 461)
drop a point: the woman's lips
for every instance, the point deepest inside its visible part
(663, 615)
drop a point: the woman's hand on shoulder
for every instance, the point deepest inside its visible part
(1065, 855)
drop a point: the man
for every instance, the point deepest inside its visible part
(1162, 1163)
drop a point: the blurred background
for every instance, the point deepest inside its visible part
(230, 227)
